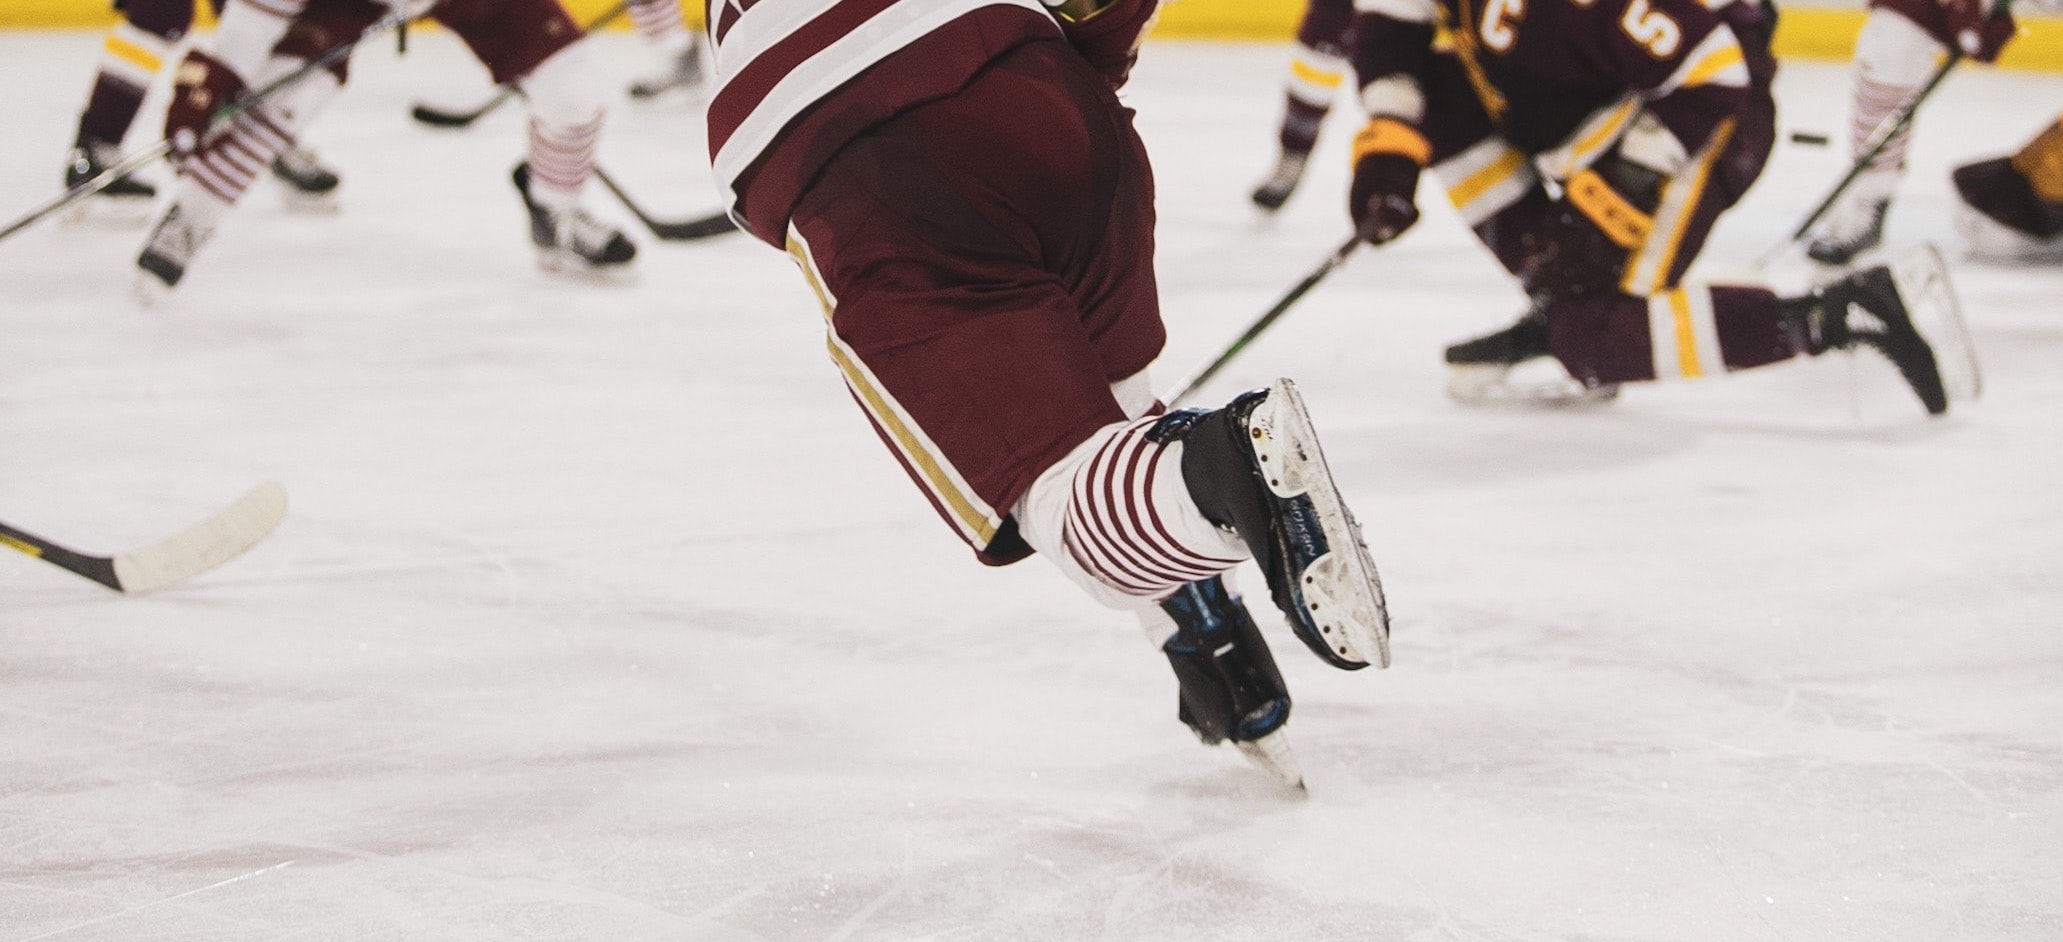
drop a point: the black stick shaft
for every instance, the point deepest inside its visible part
(1262, 323)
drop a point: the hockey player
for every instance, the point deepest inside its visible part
(677, 49)
(531, 42)
(1898, 49)
(971, 205)
(130, 59)
(2012, 207)
(1317, 68)
(1592, 146)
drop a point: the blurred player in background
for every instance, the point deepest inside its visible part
(1898, 50)
(677, 49)
(972, 206)
(1317, 68)
(2012, 207)
(130, 58)
(531, 42)
(1592, 147)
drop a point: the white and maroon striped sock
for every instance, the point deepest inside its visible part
(562, 157)
(659, 21)
(1131, 523)
(226, 167)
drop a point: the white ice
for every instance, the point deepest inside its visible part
(600, 613)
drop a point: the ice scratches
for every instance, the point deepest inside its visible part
(133, 910)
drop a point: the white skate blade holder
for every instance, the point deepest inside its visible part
(1338, 591)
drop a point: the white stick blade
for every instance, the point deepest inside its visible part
(208, 544)
(1931, 302)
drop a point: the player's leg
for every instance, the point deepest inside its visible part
(992, 318)
(676, 50)
(1317, 68)
(131, 56)
(536, 44)
(1894, 55)
(215, 178)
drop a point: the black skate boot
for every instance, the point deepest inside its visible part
(1230, 687)
(572, 241)
(1282, 181)
(1906, 312)
(1254, 467)
(126, 201)
(310, 186)
(171, 248)
(1516, 365)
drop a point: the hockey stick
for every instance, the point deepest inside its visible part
(682, 230)
(1261, 323)
(1882, 137)
(1878, 141)
(248, 100)
(199, 548)
(459, 119)
(438, 117)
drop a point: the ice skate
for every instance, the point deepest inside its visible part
(309, 186)
(1855, 224)
(1906, 311)
(680, 74)
(1516, 366)
(573, 242)
(125, 202)
(171, 248)
(1282, 181)
(1254, 467)
(1230, 687)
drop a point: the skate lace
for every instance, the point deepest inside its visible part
(177, 239)
(585, 234)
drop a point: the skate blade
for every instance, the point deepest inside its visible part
(1493, 386)
(1271, 754)
(110, 212)
(305, 203)
(1339, 592)
(1930, 301)
(571, 267)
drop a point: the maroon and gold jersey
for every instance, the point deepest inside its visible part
(1552, 74)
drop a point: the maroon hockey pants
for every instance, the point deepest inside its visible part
(986, 264)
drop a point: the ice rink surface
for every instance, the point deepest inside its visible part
(600, 614)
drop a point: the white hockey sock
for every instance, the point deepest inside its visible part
(226, 167)
(561, 159)
(1116, 516)
(659, 21)
(565, 125)
(1893, 58)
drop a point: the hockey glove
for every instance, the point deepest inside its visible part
(201, 86)
(1388, 156)
(1581, 248)
(1981, 27)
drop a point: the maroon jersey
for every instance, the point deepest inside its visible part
(1547, 70)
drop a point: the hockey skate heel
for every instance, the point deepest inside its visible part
(1336, 587)
(1254, 467)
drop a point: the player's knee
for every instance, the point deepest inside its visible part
(565, 88)
(1891, 49)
